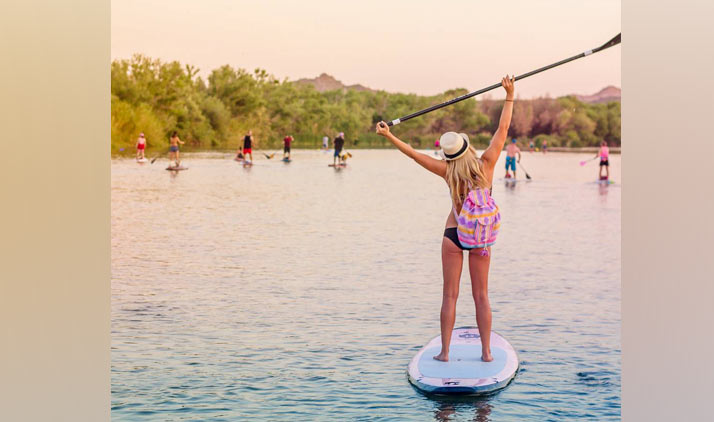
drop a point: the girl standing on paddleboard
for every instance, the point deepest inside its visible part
(472, 223)
(604, 155)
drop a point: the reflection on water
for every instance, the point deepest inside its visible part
(298, 292)
(447, 409)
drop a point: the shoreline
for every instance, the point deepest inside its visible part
(151, 153)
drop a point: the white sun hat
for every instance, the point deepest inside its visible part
(453, 145)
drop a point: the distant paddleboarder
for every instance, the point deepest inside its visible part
(604, 155)
(174, 143)
(512, 151)
(140, 147)
(339, 144)
(286, 146)
(248, 142)
(325, 142)
(544, 146)
(531, 146)
(472, 223)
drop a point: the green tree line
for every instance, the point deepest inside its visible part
(156, 98)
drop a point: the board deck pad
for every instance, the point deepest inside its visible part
(465, 373)
(464, 362)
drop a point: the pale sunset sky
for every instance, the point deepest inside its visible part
(422, 47)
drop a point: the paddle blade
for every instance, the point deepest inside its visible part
(153, 159)
(616, 40)
(528, 176)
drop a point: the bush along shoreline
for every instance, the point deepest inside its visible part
(156, 98)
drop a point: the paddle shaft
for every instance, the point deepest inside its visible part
(616, 40)
(159, 155)
(528, 176)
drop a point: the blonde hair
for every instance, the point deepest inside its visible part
(461, 171)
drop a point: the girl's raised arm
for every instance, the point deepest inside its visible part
(435, 166)
(490, 156)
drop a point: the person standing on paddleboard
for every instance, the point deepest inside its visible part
(248, 146)
(339, 144)
(325, 141)
(511, 151)
(174, 143)
(473, 222)
(286, 147)
(544, 146)
(604, 155)
(140, 147)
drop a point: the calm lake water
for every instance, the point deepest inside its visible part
(298, 292)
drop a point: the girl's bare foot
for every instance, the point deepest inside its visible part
(444, 357)
(486, 356)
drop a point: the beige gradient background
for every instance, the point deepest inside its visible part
(54, 220)
(419, 46)
(55, 237)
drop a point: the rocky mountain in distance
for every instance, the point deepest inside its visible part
(326, 82)
(605, 95)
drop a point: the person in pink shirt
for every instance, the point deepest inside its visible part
(511, 151)
(604, 155)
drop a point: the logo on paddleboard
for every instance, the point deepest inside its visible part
(468, 335)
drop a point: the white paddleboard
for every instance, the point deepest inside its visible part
(142, 160)
(465, 373)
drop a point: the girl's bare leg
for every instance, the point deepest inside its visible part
(452, 259)
(478, 268)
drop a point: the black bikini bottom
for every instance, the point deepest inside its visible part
(450, 233)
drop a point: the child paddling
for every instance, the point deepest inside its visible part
(473, 222)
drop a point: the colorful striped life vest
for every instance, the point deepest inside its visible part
(479, 220)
